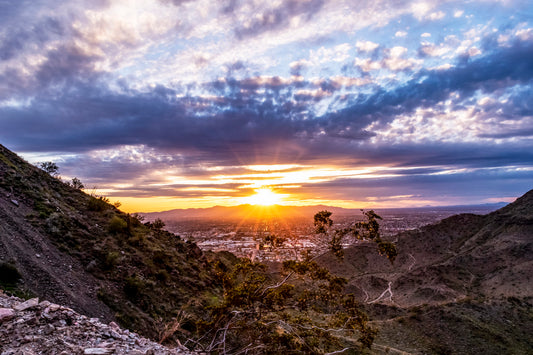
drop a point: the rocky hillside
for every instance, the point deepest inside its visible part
(461, 256)
(79, 251)
(464, 283)
(33, 327)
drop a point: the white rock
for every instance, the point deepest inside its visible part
(44, 304)
(6, 314)
(115, 334)
(53, 307)
(97, 351)
(26, 305)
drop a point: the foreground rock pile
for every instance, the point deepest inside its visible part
(33, 327)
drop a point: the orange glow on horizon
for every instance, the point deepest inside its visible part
(284, 185)
(159, 204)
(264, 197)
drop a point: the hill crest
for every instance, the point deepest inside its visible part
(82, 252)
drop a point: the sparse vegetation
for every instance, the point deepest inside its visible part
(76, 183)
(258, 315)
(10, 281)
(50, 167)
(98, 203)
(9, 274)
(111, 260)
(305, 309)
(117, 225)
(133, 287)
(364, 230)
(158, 225)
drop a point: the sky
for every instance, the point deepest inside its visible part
(163, 104)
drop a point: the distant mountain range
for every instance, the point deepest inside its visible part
(244, 212)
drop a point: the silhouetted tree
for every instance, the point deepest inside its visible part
(365, 230)
(302, 310)
(158, 224)
(76, 183)
(50, 167)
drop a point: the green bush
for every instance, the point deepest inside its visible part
(111, 260)
(117, 225)
(162, 275)
(133, 287)
(43, 209)
(77, 184)
(98, 204)
(9, 275)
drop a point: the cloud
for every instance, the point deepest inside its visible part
(243, 119)
(428, 87)
(185, 85)
(458, 13)
(366, 46)
(297, 67)
(438, 15)
(20, 38)
(274, 18)
(430, 188)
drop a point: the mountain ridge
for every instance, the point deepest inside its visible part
(249, 211)
(500, 240)
(455, 285)
(78, 250)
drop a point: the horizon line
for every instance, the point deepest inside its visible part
(330, 206)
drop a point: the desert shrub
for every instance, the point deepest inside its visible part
(98, 203)
(160, 257)
(76, 183)
(43, 209)
(137, 240)
(157, 226)
(283, 316)
(162, 275)
(9, 274)
(133, 287)
(111, 260)
(117, 225)
(304, 309)
(50, 167)
(138, 218)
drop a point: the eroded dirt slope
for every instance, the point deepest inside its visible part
(47, 271)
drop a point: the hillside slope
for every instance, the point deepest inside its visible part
(31, 204)
(79, 251)
(461, 256)
(463, 285)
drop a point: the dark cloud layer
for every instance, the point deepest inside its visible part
(36, 35)
(251, 119)
(505, 67)
(278, 17)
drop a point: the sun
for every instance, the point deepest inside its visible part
(264, 197)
